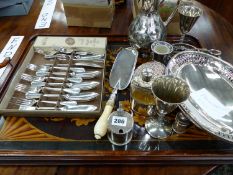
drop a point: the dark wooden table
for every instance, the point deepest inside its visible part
(30, 142)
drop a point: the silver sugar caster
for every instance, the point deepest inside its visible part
(120, 127)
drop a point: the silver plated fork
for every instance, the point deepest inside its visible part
(24, 89)
(31, 78)
(48, 67)
(22, 101)
(31, 102)
(34, 67)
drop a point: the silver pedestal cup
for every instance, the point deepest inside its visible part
(168, 92)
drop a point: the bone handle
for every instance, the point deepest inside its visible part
(101, 126)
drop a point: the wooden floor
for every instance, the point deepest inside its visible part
(76, 170)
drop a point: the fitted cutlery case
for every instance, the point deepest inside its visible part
(59, 77)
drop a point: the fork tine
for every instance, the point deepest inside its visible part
(17, 99)
(21, 101)
(19, 85)
(32, 67)
(22, 88)
(26, 88)
(30, 78)
(27, 77)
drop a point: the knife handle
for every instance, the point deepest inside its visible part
(101, 126)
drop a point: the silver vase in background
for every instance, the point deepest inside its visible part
(148, 26)
(189, 14)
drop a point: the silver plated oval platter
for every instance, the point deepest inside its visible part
(210, 105)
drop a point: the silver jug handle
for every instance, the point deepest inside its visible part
(169, 19)
(161, 1)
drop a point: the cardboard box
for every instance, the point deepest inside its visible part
(18, 7)
(88, 15)
(88, 2)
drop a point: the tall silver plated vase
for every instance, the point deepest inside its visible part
(148, 26)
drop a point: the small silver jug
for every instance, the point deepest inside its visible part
(148, 26)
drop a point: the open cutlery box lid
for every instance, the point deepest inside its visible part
(48, 86)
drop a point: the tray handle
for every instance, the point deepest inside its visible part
(5, 62)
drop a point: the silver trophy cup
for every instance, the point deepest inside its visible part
(168, 92)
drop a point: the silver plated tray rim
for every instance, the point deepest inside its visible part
(193, 113)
